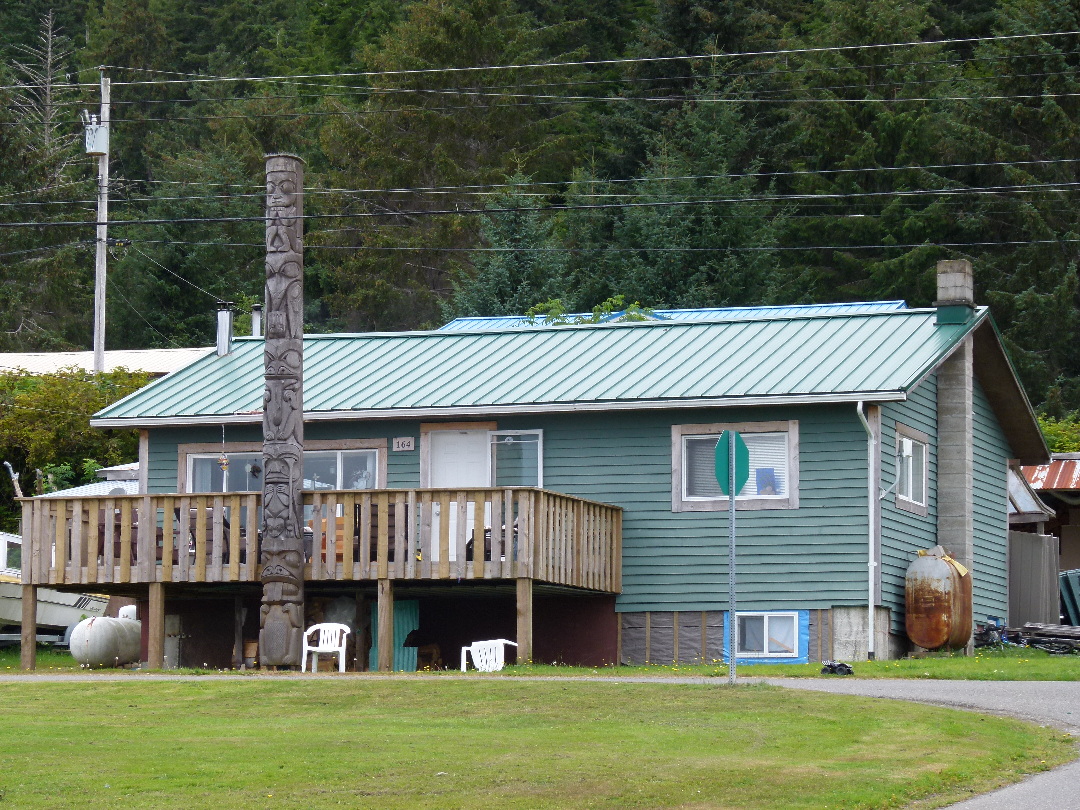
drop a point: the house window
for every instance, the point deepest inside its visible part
(912, 457)
(771, 635)
(10, 554)
(774, 474)
(323, 469)
(517, 458)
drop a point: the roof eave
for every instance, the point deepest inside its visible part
(1006, 395)
(830, 398)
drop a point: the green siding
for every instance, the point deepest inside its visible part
(990, 511)
(810, 557)
(904, 533)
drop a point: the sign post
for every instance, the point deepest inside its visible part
(732, 473)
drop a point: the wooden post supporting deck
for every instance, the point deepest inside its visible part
(362, 639)
(28, 658)
(238, 625)
(155, 627)
(524, 620)
(386, 625)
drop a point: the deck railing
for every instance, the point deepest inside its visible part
(413, 534)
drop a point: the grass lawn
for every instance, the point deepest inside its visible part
(406, 743)
(1007, 664)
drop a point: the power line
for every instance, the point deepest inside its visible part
(624, 61)
(488, 90)
(603, 249)
(491, 189)
(989, 190)
(142, 317)
(579, 63)
(557, 102)
(45, 248)
(177, 275)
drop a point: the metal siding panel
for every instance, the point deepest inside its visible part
(903, 533)
(678, 561)
(990, 511)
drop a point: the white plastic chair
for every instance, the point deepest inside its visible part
(487, 656)
(331, 638)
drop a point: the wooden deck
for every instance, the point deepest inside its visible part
(399, 534)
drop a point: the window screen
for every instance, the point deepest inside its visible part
(515, 458)
(768, 466)
(911, 483)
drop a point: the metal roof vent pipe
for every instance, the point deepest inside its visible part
(224, 328)
(955, 291)
(256, 320)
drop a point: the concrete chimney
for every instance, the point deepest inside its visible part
(956, 419)
(224, 328)
(256, 320)
(955, 291)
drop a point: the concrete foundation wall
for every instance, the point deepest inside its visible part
(849, 634)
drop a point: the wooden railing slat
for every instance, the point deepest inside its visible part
(383, 552)
(79, 556)
(234, 538)
(200, 538)
(184, 544)
(401, 534)
(461, 533)
(168, 538)
(425, 535)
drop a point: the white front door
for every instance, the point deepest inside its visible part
(458, 459)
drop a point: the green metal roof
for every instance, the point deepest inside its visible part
(873, 356)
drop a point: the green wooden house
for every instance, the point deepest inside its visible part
(555, 485)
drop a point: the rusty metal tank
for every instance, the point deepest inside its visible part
(937, 595)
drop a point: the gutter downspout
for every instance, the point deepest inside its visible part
(871, 507)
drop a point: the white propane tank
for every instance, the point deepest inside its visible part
(106, 642)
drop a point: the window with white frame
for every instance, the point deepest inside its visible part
(774, 475)
(10, 554)
(517, 458)
(323, 469)
(912, 463)
(768, 635)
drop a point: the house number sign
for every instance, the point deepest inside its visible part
(403, 443)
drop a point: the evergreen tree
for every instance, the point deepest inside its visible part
(524, 264)
(420, 132)
(692, 235)
(1025, 108)
(45, 275)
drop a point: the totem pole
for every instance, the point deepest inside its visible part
(282, 556)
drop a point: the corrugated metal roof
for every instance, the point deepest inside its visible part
(1024, 505)
(1062, 473)
(152, 361)
(97, 489)
(875, 356)
(487, 324)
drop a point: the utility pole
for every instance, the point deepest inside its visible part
(97, 143)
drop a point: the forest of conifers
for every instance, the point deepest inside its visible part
(675, 153)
